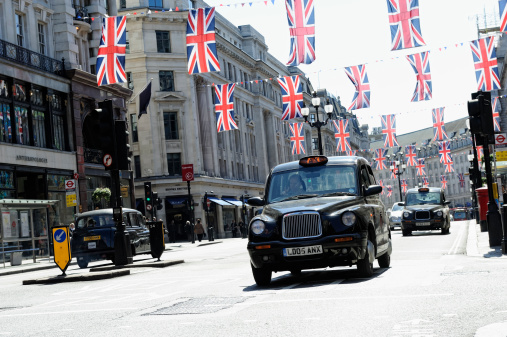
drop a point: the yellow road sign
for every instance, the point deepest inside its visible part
(61, 244)
(71, 199)
(501, 155)
(124, 191)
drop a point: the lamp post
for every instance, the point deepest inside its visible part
(472, 160)
(317, 124)
(210, 228)
(243, 209)
(399, 172)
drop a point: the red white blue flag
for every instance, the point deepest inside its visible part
(426, 183)
(444, 149)
(405, 25)
(224, 107)
(292, 96)
(496, 114)
(443, 180)
(486, 68)
(359, 78)
(449, 167)
(112, 48)
(351, 153)
(297, 138)
(421, 65)
(394, 170)
(381, 184)
(411, 155)
(389, 130)
(461, 178)
(301, 17)
(201, 46)
(438, 124)
(342, 135)
(380, 159)
(480, 152)
(389, 191)
(503, 15)
(404, 186)
(421, 168)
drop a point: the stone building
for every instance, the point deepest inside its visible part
(180, 127)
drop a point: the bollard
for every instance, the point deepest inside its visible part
(156, 238)
(504, 226)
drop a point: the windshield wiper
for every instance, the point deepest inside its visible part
(337, 193)
(301, 196)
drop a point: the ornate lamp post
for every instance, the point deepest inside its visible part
(317, 124)
(398, 170)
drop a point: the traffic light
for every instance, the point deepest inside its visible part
(147, 193)
(122, 145)
(481, 113)
(475, 177)
(157, 202)
(105, 132)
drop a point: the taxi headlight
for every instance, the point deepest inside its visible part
(348, 218)
(439, 213)
(406, 214)
(257, 227)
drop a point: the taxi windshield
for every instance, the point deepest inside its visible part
(423, 198)
(397, 207)
(460, 215)
(328, 180)
(105, 220)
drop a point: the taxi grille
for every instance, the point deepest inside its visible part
(422, 215)
(301, 225)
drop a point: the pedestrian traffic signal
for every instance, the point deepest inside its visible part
(481, 113)
(147, 193)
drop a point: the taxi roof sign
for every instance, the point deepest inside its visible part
(424, 189)
(313, 161)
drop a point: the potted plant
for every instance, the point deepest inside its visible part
(101, 193)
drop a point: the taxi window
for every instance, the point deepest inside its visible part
(365, 179)
(133, 219)
(96, 221)
(140, 220)
(126, 219)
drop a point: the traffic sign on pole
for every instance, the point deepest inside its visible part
(187, 172)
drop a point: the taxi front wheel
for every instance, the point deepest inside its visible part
(262, 276)
(82, 263)
(365, 266)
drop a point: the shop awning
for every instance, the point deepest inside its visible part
(176, 201)
(219, 201)
(26, 203)
(233, 201)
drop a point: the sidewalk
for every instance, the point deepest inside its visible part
(478, 243)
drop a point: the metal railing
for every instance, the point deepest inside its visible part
(30, 58)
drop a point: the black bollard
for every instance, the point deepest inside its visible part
(504, 226)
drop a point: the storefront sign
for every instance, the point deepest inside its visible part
(176, 189)
(124, 191)
(35, 159)
(71, 199)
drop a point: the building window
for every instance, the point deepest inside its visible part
(5, 123)
(133, 123)
(58, 131)
(155, 3)
(163, 42)
(127, 43)
(42, 39)
(315, 143)
(137, 166)
(19, 29)
(166, 79)
(174, 163)
(39, 130)
(21, 124)
(130, 83)
(123, 3)
(171, 125)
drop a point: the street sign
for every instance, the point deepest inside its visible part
(501, 155)
(107, 160)
(70, 185)
(61, 245)
(76, 176)
(148, 207)
(71, 199)
(187, 172)
(501, 140)
(124, 191)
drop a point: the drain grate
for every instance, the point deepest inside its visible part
(204, 305)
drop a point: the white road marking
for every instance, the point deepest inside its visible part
(450, 315)
(455, 245)
(67, 312)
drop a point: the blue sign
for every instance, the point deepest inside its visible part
(60, 235)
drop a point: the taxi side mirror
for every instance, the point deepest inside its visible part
(401, 203)
(255, 201)
(372, 190)
(447, 202)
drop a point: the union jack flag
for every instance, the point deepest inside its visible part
(297, 138)
(380, 159)
(404, 186)
(503, 15)
(389, 130)
(421, 168)
(443, 180)
(359, 78)
(201, 46)
(381, 184)
(389, 191)
(224, 107)
(480, 152)
(342, 135)
(438, 125)
(111, 56)
(411, 155)
(421, 65)
(301, 17)
(461, 177)
(486, 68)
(496, 114)
(425, 181)
(351, 153)
(449, 167)
(394, 170)
(444, 149)
(292, 96)
(404, 22)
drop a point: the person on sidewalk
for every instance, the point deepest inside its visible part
(199, 230)
(188, 231)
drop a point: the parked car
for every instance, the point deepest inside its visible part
(395, 216)
(425, 208)
(460, 214)
(319, 212)
(93, 238)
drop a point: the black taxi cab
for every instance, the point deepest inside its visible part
(93, 237)
(425, 208)
(319, 212)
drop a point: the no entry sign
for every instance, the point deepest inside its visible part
(187, 172)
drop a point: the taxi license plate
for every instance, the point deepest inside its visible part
(91, 238)
(301, 251)
(422, 224)
(92, 245)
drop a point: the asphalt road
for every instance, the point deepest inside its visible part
(431, 289)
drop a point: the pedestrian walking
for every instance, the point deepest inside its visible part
(234, 228)
(199, 230)
(188, 230)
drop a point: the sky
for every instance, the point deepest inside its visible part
(353, 32)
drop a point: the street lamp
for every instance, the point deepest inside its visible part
(305, 111)
(398, 172)
(210, 228)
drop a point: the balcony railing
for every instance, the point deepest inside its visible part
(30, 58)
(82, 14)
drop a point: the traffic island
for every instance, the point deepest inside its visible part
(155, 264)
(78, 277)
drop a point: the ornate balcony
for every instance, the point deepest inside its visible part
(30, 58)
